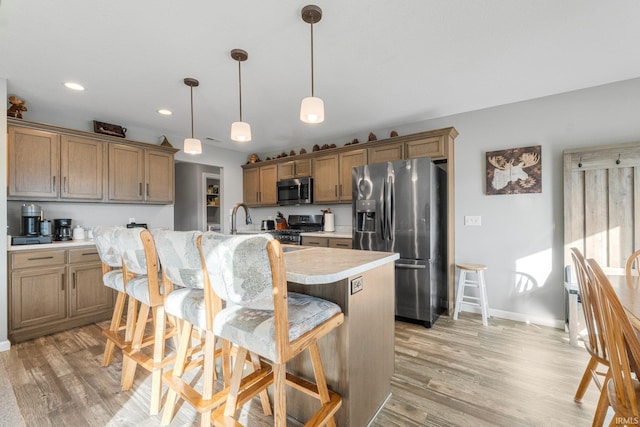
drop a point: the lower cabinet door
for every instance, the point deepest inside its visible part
(88, 295)
(38, 297)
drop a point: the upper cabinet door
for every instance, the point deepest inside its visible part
(82, 168)
(251, 186)
(325, 178)
(159, 177)
(33, 163)
(126, 173)
(268, 188)
(349, 160)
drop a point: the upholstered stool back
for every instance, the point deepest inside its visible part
(108, 250)
(132, 247)
(244, 277)
(179, 257)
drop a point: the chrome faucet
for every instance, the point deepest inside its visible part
(234, 230)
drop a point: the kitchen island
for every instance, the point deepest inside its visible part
(358, 357)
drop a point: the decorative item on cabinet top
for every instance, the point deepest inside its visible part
(109, 129)
(17, 107)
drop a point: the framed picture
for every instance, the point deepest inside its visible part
(514, 171)
(109, 129)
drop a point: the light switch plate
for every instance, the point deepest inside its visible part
(357, 285)
(473, 220)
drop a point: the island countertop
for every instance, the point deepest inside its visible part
(314, 266)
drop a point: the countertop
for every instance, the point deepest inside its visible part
(53, 245)
(314, 266)
(334, 234)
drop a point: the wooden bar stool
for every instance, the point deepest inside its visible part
(464, 281)
(140, 268)
(113, 278)
(248, 272)
(195, 306)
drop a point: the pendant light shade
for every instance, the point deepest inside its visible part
(312, 107)
(192, 145)
(312, 110)
(240, 131)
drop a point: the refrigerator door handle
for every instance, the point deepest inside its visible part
(390, 207)
(412, 266)
(383, 220)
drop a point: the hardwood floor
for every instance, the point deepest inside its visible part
(457, 373)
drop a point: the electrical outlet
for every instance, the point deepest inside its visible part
(473, 220)
(357, 285)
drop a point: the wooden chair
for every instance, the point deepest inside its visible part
(195, 307)
(113, 278)
(632, 268)
(248, 272)
(594, 342)
(623, 349)
(140, 268)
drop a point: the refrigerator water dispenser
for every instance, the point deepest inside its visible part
(366, 215)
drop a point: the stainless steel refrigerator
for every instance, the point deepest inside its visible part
(401, 207)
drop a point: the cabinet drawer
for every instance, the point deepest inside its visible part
(30, 259)
(315, 241)
(87, 254)
(340, 243)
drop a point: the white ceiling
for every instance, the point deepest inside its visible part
(379, 63)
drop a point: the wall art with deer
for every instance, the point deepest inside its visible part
(514, 171)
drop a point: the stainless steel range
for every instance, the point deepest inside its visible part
(298, 224)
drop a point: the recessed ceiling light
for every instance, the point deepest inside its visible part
(165, 112)
(74, 86)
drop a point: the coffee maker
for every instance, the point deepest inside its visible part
(30, 232)
(30, 222)
(62, 229)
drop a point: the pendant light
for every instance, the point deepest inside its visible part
(240, 131)
(192, 145)
(312, 108)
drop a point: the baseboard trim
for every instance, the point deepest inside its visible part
(519, 317)
(5, 345)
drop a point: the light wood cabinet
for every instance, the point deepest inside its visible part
(315, 241)
(87, 294)
(327, 242)
(159, 177)
(33, 163)
(140, 175)
(340, 243)
(433, 147)
(325, 178)
(251, 186)
(268, 190)
(126, 173)
(385, 153)
(50, 163)
(52, 290)
(294, 169)
(349, 160)
(332, 175)
(82, 168)
(259, 186)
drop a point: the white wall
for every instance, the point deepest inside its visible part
(522, 235)
(4, 327)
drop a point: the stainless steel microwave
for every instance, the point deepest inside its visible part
(297, 191)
